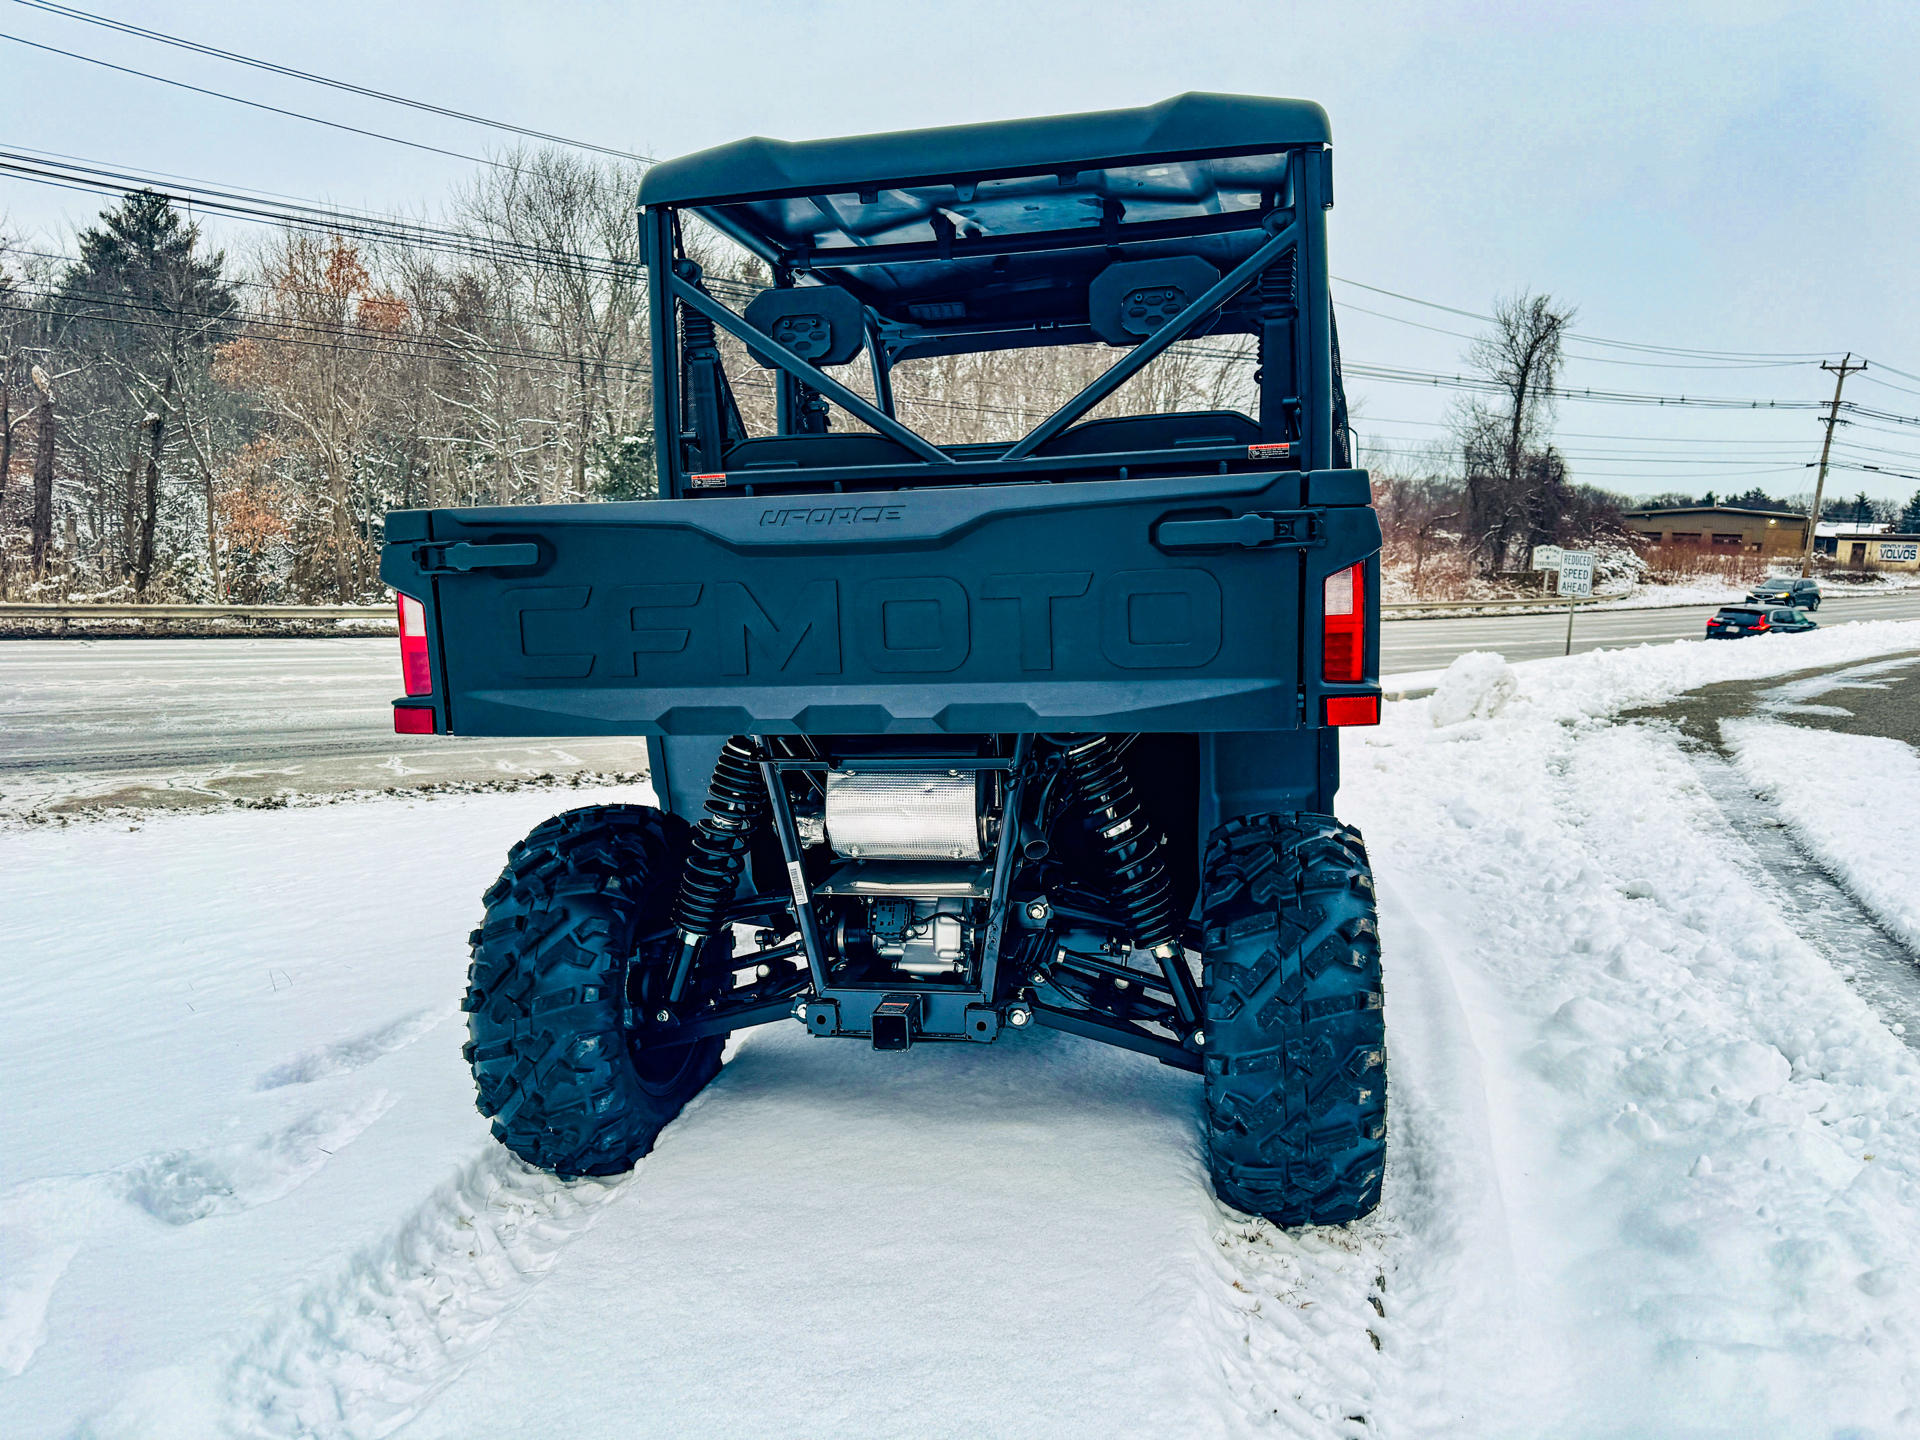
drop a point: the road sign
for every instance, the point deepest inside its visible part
(1577, 573)
(1547, 557)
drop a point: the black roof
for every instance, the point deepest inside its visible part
(1196, 125)
(1649, 512)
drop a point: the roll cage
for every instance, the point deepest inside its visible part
(1203, 215)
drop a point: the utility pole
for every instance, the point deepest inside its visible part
(1841, 374)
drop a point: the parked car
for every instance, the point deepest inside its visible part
(1731, 622)
(1799, 590)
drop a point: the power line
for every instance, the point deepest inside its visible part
(1763, 358)
(69, 175)
(348, 86)
(255, 104)
(1597, 340)
(1589, 359)
(341, 220)
(242, 320)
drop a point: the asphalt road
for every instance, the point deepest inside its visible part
(193, 722)
(1420, 645)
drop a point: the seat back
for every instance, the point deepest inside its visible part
(1124, 433)
(811, 452)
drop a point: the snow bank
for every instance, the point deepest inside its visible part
(1600, 683)
(1701, 1152)
(1854, 802)
(1476, 686)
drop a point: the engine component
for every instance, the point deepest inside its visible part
(905, 815)
(736, 801)
(921, 936)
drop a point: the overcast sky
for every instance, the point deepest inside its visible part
(1726, 177)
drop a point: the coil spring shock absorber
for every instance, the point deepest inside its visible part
(736, 801)
(1133, 852)
(697, 334)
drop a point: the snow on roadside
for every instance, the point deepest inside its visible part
(1692, 1206)
(1600, 683)
(1854, 801)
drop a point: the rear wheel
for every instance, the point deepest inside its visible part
(1296, 1062)
(564, 949)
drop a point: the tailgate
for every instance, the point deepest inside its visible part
(1164, 604)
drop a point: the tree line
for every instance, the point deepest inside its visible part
(181, 424)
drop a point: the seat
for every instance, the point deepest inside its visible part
(816, 452)
(1124, 433)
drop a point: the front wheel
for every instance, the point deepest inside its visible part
(1295, 1050)
(563, 950)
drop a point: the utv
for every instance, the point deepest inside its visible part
(948, 740)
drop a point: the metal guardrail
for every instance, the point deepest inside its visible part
(35, 610)
(1464, 606)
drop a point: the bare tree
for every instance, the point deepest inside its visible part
(42, 524)
(560, 235)
(1515, 480)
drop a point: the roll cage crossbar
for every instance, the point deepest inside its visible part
(929, 281)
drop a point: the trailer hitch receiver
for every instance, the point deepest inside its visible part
(896, 1019)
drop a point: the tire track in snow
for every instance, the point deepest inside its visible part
(360, 1352)
(1370, 1329)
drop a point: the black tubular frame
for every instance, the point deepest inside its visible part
(1298, 395)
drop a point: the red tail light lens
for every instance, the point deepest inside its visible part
(413, 720)
(415, 670)
(1343, 625)
(1352, 710)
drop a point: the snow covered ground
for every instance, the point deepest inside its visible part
(1652, 1169)
(1851, 801)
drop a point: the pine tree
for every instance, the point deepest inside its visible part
(138, 271)
(141, 304)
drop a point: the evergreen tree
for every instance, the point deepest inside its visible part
(140, 286)
(141, 308)
(1911, 515)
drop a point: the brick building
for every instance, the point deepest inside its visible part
(1721, 528)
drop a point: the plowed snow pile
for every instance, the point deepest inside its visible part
(1652, 1164)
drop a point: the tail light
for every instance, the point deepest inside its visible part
(1343, 625)
(1351, 710)
(416, 671)
(1761, 624)
(413, 720)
